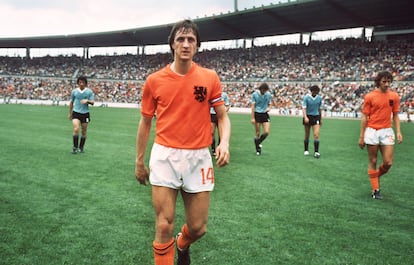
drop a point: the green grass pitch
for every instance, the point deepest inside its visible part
(277, 208)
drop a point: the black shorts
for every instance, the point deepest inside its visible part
(313, 120)
(213, 118)
(83, 117)
(261, 117)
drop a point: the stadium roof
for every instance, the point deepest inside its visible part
(302, 16)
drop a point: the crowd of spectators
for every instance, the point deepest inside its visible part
(344, 69)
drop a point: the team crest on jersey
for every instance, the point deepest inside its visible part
(391, 102)
(200, 93)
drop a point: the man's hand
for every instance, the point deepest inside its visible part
(399, 138)
(141, 174)
(361, 142)
(222, 155)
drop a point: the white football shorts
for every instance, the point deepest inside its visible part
(187, 169)
(379, 137)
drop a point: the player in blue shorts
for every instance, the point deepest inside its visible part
(261, 103)
(80, 99)
(312, 118)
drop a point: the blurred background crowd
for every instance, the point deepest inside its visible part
(343, 68)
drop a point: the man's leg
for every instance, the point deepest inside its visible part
(387, 152)
(196, 212)
(164, 200)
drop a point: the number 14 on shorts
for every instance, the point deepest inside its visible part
(207, 175)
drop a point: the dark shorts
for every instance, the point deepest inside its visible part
(261, 117)
(313, 120)
(213, 118)
(83, 117)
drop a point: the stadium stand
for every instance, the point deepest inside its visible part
(343, 68)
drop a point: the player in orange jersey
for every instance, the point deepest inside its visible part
(181, 94)
(381, 107)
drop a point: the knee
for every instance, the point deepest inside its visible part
(387, 165)
(165, 228)
(198, 231)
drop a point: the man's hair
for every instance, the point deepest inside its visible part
(185, 25)
(384, 74)
(263, 86)
(83, 78)
(314, 88)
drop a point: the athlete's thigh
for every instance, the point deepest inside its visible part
(307, 130)
(387, 152)
(316, 129)
(257, 128)
(372, 154)
(164, 200)
(196, 208)
(84, 126)
(76, 123)
(266, 127)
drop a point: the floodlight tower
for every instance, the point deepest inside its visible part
(235, 10)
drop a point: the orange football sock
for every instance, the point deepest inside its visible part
(186, 239)
(373, 177)
(164, 252)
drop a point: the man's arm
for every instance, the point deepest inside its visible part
(87, 101)
(364, 120)
(269, 106)
(252, 112)
(70, 110)
(397, 126)
(224, 128)
(144, 127)
(320, 117)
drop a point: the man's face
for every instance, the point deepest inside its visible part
(384, 84)
(81, 84)
(184, 45)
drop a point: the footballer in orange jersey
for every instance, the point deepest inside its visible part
(380, 110)
(181, 94)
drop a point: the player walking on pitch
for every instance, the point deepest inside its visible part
(80, 99)
(380, 107)
(181, 94)
(261, 103)
(312, 118)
